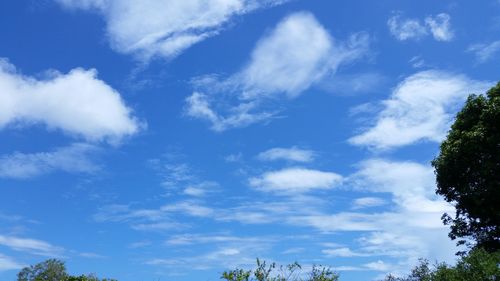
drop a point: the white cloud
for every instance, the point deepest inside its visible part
(485, 52)
(296, 180)
(7, 263)
(198, 106)
(406, 29)
(194, 191)
(289, 154)
(417, 62)
(77, 103)
(32, 246)
(341, 252)
(295, 55)
(165, 28)
(410, 230)
(413, 29)
(227, 257)
(403, 179)
(440, 27)
(367, 202)
(72, 159)
(201, 189)
(378, 266)
(140, 219)
(421, 108)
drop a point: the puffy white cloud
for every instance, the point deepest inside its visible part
(413, 29)
(77, 103)
(296, 180)
(404, 29)
(440, 27)
(421, 108)
(296, 54)
(32, 246)
(485, 52)
(7, 263)
(72, 159)
(289, 154)
(164, 28)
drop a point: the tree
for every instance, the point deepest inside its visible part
(52, 270)
(49, 270)
(478, 265)
(468, 172)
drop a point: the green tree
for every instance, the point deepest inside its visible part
(49, 270)
(53, 270)
(478, 265)
(468, 172)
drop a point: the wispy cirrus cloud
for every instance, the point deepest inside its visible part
(485, 52)
(8, 263)
(77, 103)
(75, 158)
(32, 246)
(390, 240)
(421, 108)
(296, 54)
(165, 28)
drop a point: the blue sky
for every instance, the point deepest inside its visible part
(172, 140)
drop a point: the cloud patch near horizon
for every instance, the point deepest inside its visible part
(298, 53)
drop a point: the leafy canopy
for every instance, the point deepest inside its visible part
(478, 265)
(468, 172)
(52, 270)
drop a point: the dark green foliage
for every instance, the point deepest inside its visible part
(273, 272)
(52, 270)
(478, 265)
(468, 172)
